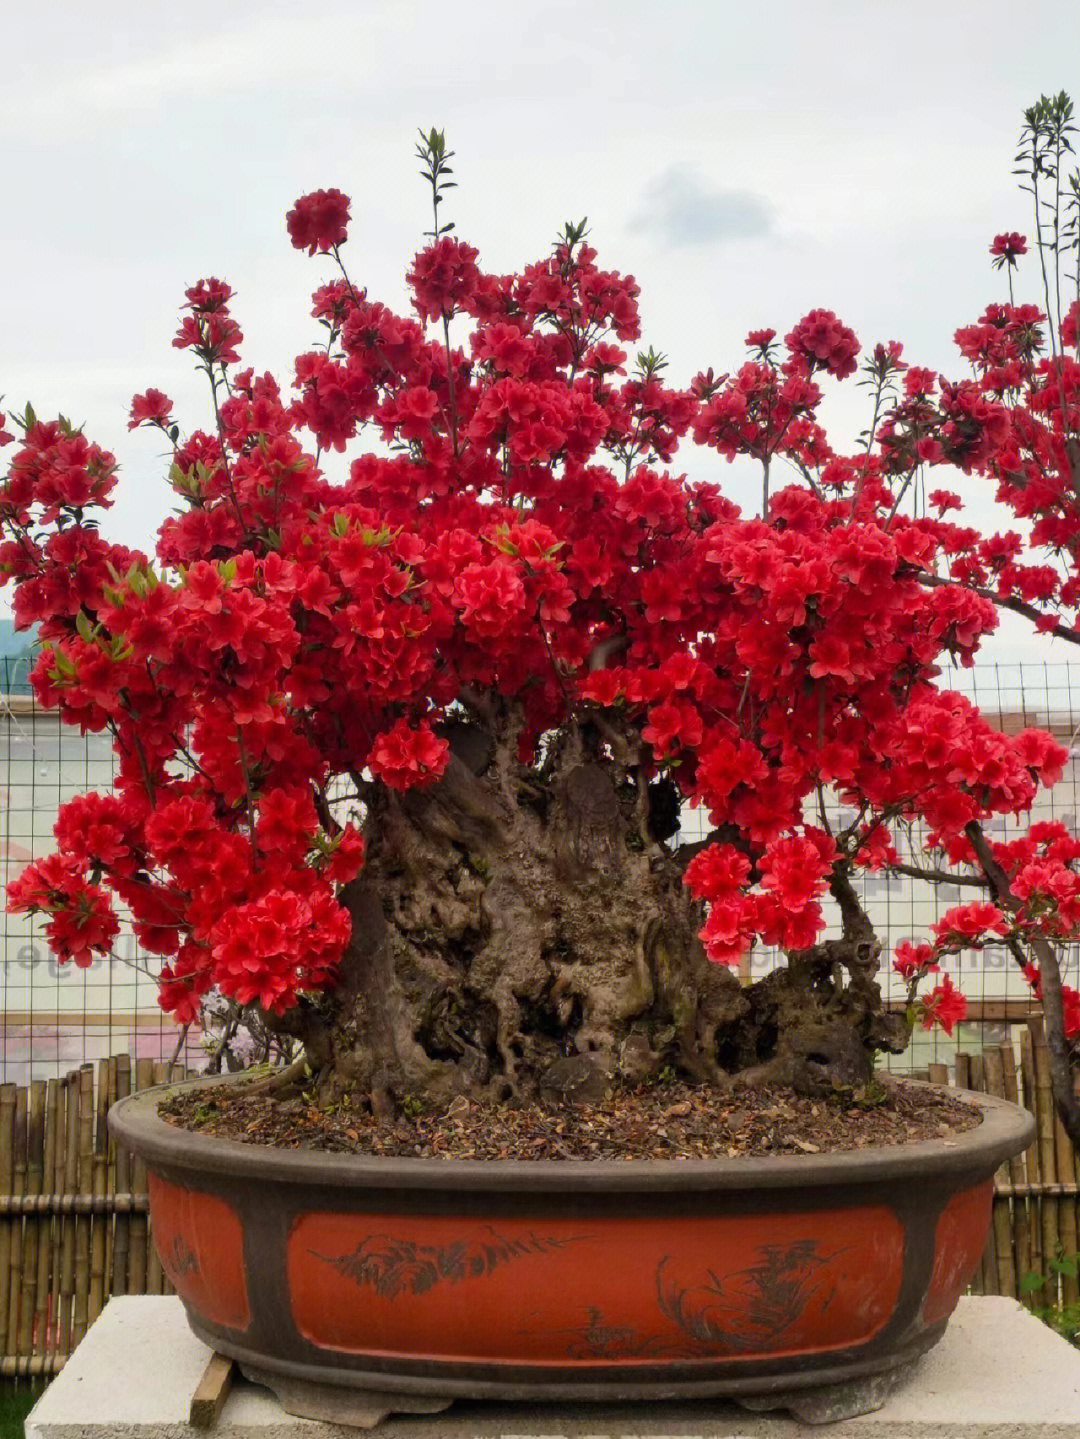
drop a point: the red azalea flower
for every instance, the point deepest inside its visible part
(319, 221)
(1070, 325)
(944, 1005)
(970, 921)
(152, 407)
(824, 343)
(913, 960)
(1006, 247)
(718, 871)
(406, 758)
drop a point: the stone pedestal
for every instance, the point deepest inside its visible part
(997, 1374)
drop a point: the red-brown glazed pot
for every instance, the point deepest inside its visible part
(570, 1279)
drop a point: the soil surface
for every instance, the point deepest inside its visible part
(659, 1121)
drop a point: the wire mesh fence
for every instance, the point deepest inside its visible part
(1013, 697)
(55, 1016)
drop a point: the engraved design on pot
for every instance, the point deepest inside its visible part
(180, 1258)
(394, 1266)
(750, 1308)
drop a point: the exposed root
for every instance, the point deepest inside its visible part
(278, 1081)
(521, 932)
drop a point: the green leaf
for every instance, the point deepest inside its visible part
(1031, 1282)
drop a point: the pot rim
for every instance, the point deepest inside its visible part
(1005, 1130)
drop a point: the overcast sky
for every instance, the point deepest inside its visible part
(747, 162)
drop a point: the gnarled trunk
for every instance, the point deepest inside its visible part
(522, 934)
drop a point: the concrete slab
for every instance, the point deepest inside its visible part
(997, 1374)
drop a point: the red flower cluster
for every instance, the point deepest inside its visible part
(209, 331)
(521, 542)
(319, 221)
(1070, 1000)
(944, 1005)
(151, 408)
(823, 343)
(81, 923)
(405, 758)
(914, 960)
(444, 279)
(1007, 247)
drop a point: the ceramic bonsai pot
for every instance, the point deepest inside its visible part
(570, 1279)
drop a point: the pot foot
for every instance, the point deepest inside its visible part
(829, 1403)
(362, 1408)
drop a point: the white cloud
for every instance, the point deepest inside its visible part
(681, 208)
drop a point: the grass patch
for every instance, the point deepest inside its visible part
(1065, 1320)
(16, 1401)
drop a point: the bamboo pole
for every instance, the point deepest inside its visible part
(1044, 1104)
(139, 1231)
(8, 1227)
(1066, 1207)
(939, 1074)
(100, 1221)
(35, 1169)
(992, 1259)
(1002, 1227)
(121, 1180)
(81, 1307)
(67, 1221)
(155, 1275)
(46, 1267)
(18, 1188)
(1044, 1119)
(1065, 1169)
(109, 1185)
(1017, 1173)
(1031, 1154)
(30, 1366)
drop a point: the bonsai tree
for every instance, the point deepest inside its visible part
(404, 742)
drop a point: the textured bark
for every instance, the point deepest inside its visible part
(819, 1019)
(521, 932)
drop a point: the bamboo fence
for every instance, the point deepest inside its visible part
(1035, 1235)
(73, 1211)
(73, 1205)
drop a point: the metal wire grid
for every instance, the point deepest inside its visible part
(53, 1016)
(1015, 697)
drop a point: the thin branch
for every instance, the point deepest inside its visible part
(1065, 1096)
(1005, 602)
(180, 1044)
(939, 876)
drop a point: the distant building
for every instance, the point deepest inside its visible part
(17, 655)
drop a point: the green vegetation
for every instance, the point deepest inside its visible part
(17, 1398)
